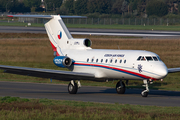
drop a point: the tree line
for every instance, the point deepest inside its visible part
(24, 6)
(95, 8)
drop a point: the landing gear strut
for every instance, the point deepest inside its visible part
(73, 87)
(146, 91)
(120, 87)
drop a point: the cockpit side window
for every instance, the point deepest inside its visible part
(155, 58)
(139, 58)
(159, 58)
(149, 58)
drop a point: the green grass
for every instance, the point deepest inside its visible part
(21, 24)
(95, 26)
(21, 108)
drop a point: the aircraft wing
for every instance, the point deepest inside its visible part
(173, 70)
(47, 73)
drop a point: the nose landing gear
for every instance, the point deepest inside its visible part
(146, 91)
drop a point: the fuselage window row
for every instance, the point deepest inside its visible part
(111, 61)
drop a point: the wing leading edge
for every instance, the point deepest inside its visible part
(47, 73)
(45, 16)
(173, 70)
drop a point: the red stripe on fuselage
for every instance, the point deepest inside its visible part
(118, 69)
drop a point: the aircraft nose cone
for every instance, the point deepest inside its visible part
(161, 71)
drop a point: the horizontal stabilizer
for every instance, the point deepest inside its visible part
(45, 16)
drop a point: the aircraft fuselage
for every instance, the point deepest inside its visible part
(118, 64)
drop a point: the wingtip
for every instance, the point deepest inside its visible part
(9, 15)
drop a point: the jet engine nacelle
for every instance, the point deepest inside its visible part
(79, 43)
(62, 61)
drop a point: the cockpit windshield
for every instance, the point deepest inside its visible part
(148, 58)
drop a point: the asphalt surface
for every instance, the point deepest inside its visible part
(89, 94)
(82, 31)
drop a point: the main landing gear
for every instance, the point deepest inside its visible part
(73, 87)
(120, 87)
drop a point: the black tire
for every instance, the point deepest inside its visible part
(122, 89)
(72, 89)
(144, 94)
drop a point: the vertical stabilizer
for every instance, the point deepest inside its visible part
(58, 34)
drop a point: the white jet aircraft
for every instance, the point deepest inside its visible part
(86, 63)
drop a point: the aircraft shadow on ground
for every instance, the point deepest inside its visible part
(108, 91)
(134, 91)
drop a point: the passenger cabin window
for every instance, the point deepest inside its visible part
(111, 61)
(149, 58)
(106, 60)
(88, 60)
(92, 60)
(115, 61)
(120, 61)
(101, 60)
(96, 60)
(124, 61)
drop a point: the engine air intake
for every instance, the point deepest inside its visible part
(62, 61)
(87, 43)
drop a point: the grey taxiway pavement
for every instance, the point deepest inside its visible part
(82, 31)
(90, 94)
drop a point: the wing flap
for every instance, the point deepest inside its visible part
(173, 70)
(47, 73)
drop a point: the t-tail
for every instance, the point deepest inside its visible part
(58, 34)
(60, 37)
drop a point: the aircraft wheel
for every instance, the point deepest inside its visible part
(72, 89)
(120, 87)
(144, 94)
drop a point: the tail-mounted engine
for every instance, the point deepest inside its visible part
(62, 61)
(79, 43)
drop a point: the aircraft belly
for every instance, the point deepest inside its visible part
(122, 75)
(106, 73)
